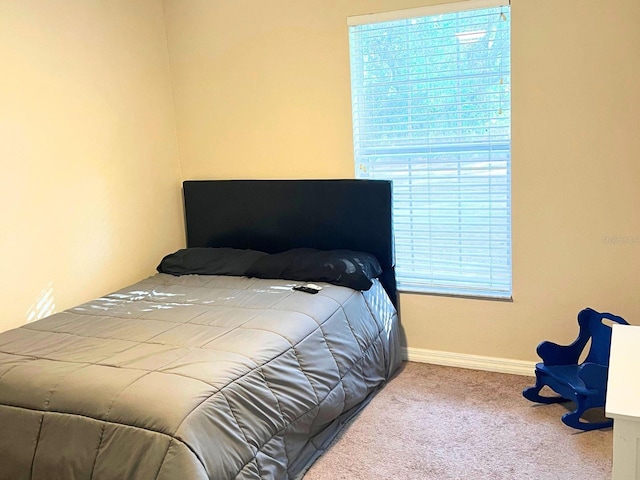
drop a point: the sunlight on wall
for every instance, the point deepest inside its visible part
(44, 305)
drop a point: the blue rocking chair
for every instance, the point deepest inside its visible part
(584, 384)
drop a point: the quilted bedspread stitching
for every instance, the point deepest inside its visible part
(105, 423)
(107, 417)
(35, 449)
(267, 383)
(164, 457)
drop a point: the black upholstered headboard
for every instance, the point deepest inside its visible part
(277, 215)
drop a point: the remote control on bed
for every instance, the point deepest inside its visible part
(308, 288)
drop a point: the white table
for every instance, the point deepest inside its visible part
(623, 401)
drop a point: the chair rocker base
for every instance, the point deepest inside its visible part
(533, 394)
(572, 419)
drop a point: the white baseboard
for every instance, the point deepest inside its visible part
(474, 362)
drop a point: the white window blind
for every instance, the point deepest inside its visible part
(431, 111)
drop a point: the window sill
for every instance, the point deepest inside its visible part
(467, 296)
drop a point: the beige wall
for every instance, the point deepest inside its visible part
(262, 91)
(89, 186)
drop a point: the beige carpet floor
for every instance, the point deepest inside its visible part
(433, 422)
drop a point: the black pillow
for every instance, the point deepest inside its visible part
(209, 261)
(339, 267)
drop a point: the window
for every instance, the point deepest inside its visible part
(432, 112)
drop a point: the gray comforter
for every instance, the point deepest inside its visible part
(190, 378)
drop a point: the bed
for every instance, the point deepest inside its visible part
(210, 376)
